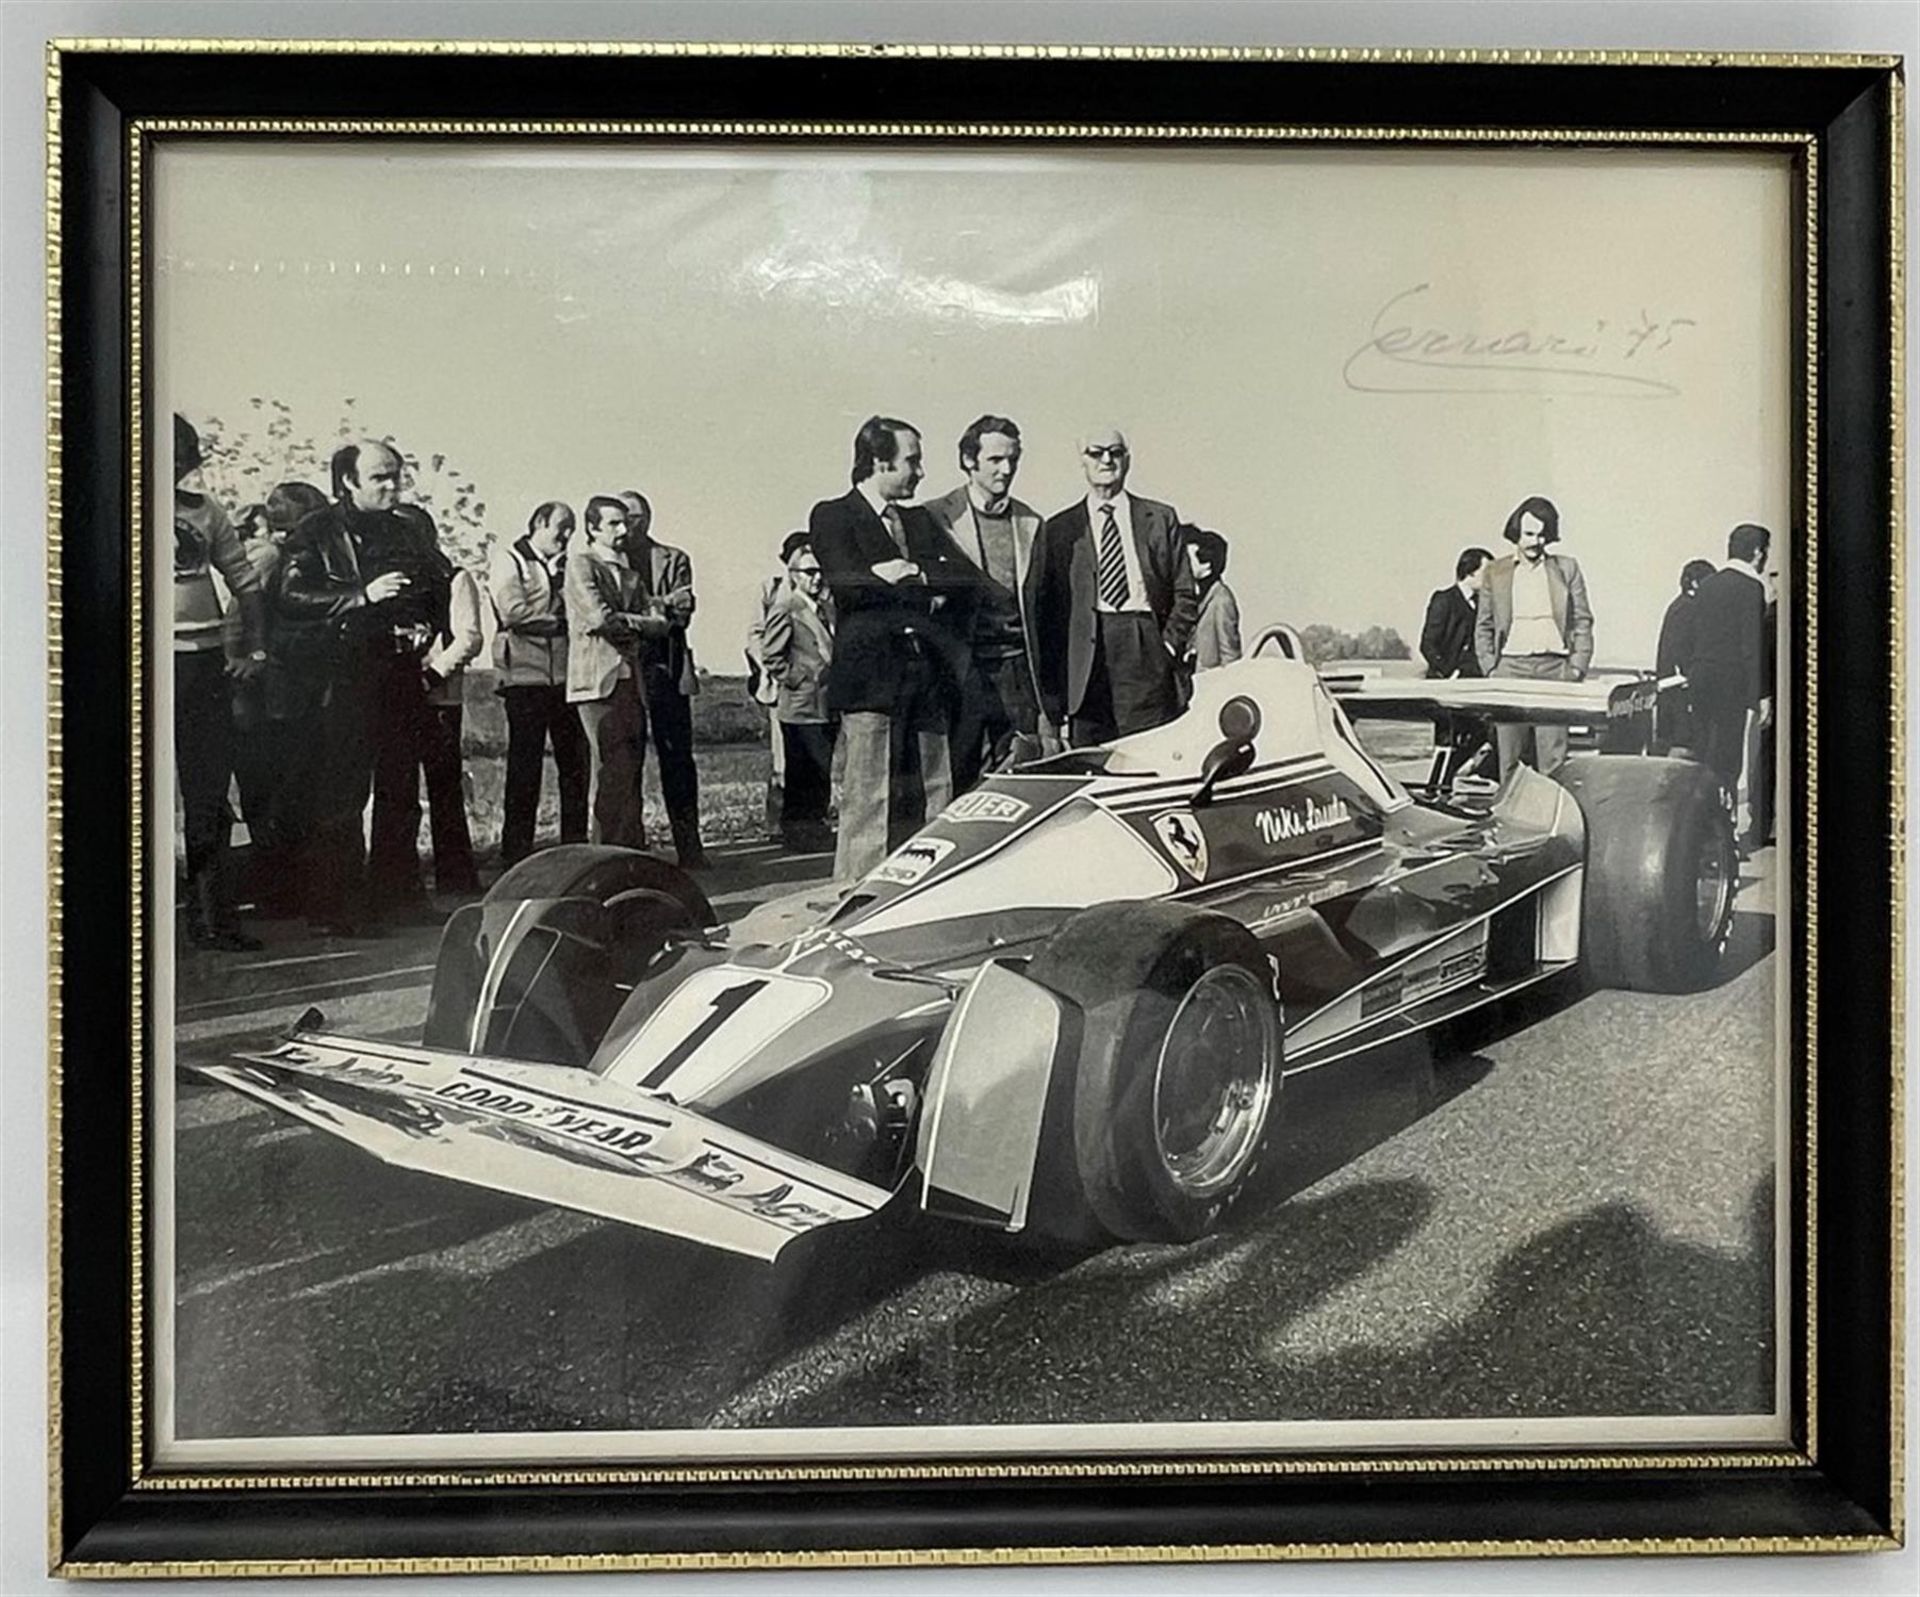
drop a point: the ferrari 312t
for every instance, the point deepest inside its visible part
(1067, 1008)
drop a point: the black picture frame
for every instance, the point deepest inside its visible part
(1841, 1489)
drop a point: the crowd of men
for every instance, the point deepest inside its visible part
(1528, 616)
(935, 642)
(931, 642)
(908, 647)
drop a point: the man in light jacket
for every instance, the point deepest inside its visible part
(760, 683)
(797, 646)
(1533, 621)
(525, 580)
(610, 617)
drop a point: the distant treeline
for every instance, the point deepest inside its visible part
(722, 713)
(1375, 643)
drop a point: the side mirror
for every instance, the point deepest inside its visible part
(1224, 761)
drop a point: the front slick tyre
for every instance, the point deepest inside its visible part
(1161, 1111)
(1661, 872)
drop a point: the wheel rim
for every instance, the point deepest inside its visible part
(1213, 1083)
(1712, 889)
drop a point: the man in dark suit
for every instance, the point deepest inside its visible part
(1114, 603)
(1729, 664)
(1672, 660)
(897, 664)
(1761, 751)
(1446, 636)
(667, 676)
(1446, 644)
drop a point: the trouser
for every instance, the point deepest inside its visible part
(881, 802)
(998, 702)
(1462, 745)
(537, 713)
(203, 751)
(777, 746)
(776, 783)
(414, 736)
(1720, 728)
(1131, 687)
(260, 750)
(809, 763)
(1673, 720)
(616, 729)
(1761, 775)
(332, 780)
(1542, 747)
(670, 720)
(266, 756)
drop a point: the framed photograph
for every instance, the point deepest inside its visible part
(959, 805)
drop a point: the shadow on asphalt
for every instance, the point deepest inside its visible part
(827, 1281)
(1599, 1315)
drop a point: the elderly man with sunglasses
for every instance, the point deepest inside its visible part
(1114, 602)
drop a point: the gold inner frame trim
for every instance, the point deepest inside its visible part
(1897, 601)
(1206, 53)
(56, 803)
(1038, 1469)
(142, 131)
(1808, 838)
(983, 1557)
(1132, 133)
(137, 778)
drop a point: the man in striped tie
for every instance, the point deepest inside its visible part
(1114, 603)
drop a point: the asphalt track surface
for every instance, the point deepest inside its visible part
(1565, 1209)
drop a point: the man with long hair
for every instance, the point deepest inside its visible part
(1534, 622)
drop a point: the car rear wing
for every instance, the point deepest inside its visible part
(1594, 702)
(554, 1133)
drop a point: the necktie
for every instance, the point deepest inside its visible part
(895, 530)
(1113, 563)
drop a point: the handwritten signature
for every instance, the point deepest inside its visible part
(1401, 356)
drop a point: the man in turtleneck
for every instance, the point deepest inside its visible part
(994, 534)
(363, 591)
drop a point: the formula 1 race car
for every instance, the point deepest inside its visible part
(1068, 1007)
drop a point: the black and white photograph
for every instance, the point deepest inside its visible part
(857, 800)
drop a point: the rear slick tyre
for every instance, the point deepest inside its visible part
(1661, 874)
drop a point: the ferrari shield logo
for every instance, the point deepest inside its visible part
(1180, 836)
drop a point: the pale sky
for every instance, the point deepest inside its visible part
(1350, 363)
